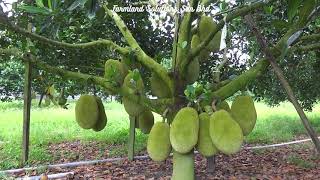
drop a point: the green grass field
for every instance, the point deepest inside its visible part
(54, 125)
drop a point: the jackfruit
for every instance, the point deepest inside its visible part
(158, 144)
(244, 112)
(225, 133)
(204, 53)
(146, 121)
(115, 71)
(184, 130)
(133, 86)
(135, 89)
(206, 26)
(205, 145)
(183, 166)
(223, 105)
(87, 111)
(193, 71)
(102, 119)
(158, 87)
(131, 107)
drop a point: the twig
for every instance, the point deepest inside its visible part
(264, 46)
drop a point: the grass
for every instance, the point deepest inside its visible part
(298, 161)
(56, 125)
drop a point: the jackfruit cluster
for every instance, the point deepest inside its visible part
(209, 132)
(90, 113)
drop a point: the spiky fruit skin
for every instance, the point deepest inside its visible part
(146, 121)
(135, 89)
(158, 144)
(184, 130)
(206, 26)
(86, 111)
(205, 145)
(223, 105)
(115, 71)
(193, 71)
(102, 119)
(244, 112)
(225, 132)
(158, 87)
(183, 166)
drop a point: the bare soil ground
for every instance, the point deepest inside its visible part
(291, 162)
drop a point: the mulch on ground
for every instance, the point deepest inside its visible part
(291, 162)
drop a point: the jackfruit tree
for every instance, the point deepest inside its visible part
(195, 114)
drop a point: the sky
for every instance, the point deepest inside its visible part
(8, 5)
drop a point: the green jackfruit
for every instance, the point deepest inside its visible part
(102, 119)
(132, 108)
(195, 41)
(114, 71)
(244, 112)
(133, 86)
(158, 144)
(184, 130)
(87, 111)
(225, 133)
(223, 105)
(193, 71)
(135, 89)
(204, 54)
(146, 121)
(158, 87)
(183, 166)
(206, 26)
(205, 145)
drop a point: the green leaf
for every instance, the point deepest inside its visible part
(50, 4)
(34, 10)
(293, 6)
(306, 9)
(136, 75)
(39, 3)
(75, 4)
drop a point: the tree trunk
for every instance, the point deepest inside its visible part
(183, 166)
(211, 164)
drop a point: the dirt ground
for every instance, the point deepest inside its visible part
(291, 162)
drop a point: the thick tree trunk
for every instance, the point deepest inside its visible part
(183, 166)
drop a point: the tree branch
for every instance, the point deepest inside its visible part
(157, 105)
(311, 37)
(142, 57)
(285, 84)
(310, 47)
(42, 39)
